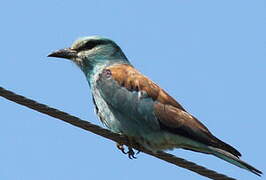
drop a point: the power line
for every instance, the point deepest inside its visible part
(108, 134)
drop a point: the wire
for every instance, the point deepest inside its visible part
(108, 134)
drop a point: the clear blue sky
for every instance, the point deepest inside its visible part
(208, 55)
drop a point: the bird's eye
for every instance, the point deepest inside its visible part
(90, 45)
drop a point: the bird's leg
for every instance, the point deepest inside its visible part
(131, 154)
(121, 148)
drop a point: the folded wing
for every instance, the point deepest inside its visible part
(171, 116)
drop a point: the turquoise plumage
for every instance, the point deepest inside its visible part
(129, 103)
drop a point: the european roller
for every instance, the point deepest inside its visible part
(129, 103)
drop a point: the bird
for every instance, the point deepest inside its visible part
(129, 103)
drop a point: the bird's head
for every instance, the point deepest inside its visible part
(92, 51)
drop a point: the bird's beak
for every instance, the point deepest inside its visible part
(66, 53)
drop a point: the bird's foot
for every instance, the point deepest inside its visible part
(121, 148)
(131, 153)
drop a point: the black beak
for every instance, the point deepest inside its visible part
(66, 53)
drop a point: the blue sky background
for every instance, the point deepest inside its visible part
(209, 55)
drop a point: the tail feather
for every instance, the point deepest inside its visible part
(222, 154)
(222, 145)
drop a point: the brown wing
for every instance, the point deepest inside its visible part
(182, 123)
(130, 78)
(171, 115)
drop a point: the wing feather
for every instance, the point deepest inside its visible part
(130, 78)
(171, 116)
(182, 123)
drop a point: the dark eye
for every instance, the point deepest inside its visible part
(90, 45)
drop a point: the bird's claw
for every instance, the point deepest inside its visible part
(121, 148)
(131, 154)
